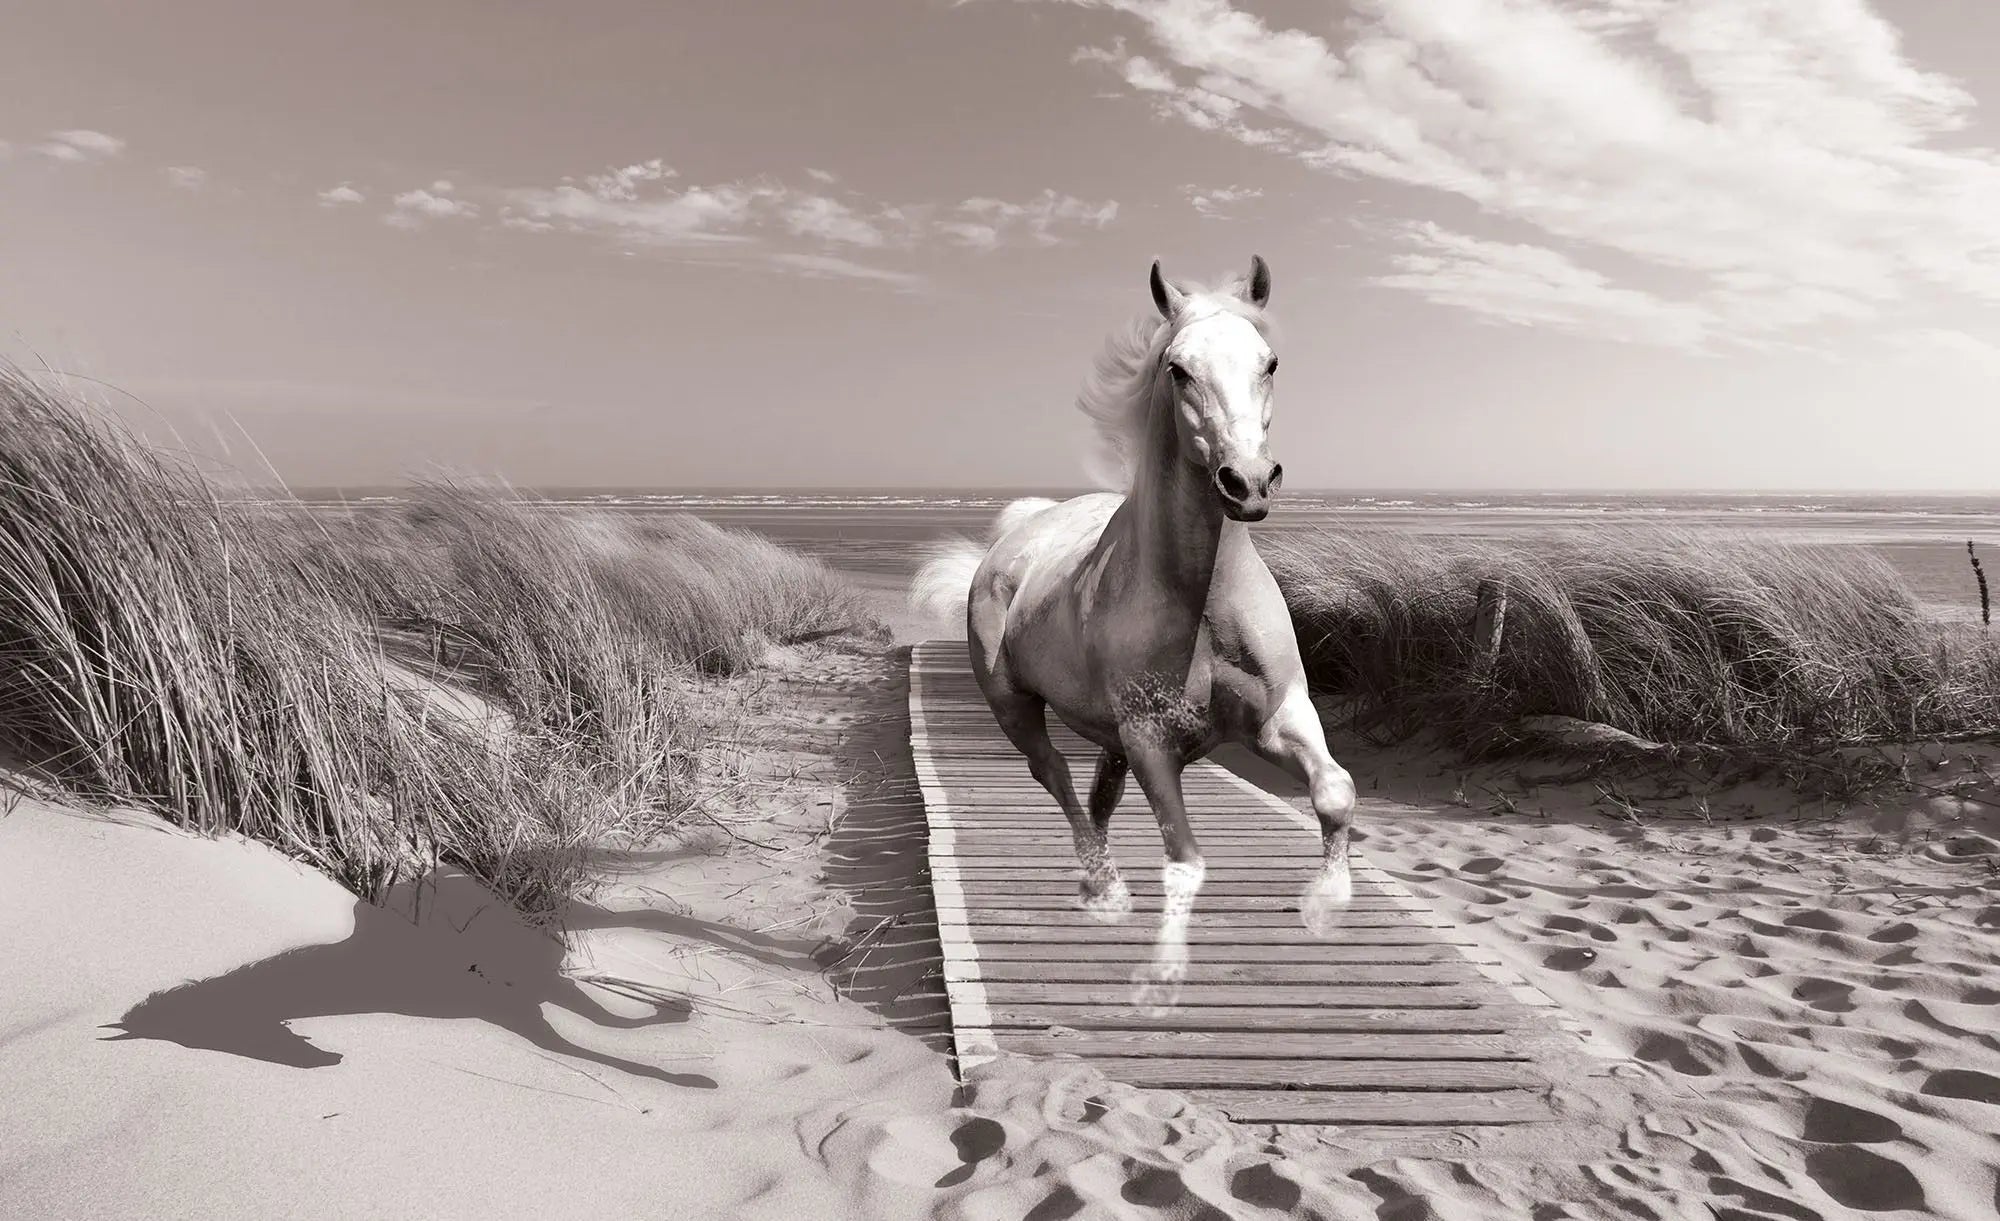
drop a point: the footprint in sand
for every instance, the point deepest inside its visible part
(1059, 1205)
(1570, 924)
(1817, 919)
(1865, 1180)
(1482, 864)
(1152, 1186)
(976, 1140)
(1264, 1187)
(1570, 958)
(1836, 1123)
(1688, 1056)
(1756, 1062)
(1825, 995)
(1899, 931)
(1964, 1083)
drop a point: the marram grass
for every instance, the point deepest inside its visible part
(223, 664)
(1678, 637)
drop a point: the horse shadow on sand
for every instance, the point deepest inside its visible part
(466, 956)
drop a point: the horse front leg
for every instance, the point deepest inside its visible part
(1293, 739)
(1102, 891)
(1157, 985)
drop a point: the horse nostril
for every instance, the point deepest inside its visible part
(1232, 483)
(1277, 475)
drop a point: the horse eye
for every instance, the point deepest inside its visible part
(1272, 367)
(1180, 374)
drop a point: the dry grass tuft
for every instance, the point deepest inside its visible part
(224, 663)
(1678, 638)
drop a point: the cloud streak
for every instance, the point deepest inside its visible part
(1783, 157)
(80, 144)
(415, 208)
(646, 206)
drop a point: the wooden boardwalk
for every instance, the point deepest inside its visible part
(1399, 1019)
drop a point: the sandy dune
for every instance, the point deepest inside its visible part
(753, 1026)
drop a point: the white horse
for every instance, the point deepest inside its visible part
(1147, 620)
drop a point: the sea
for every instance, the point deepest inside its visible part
(882, 532)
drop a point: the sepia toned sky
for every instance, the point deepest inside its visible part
(1516, 243)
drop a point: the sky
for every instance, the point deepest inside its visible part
(1605, 244)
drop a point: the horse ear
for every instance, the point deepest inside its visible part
(1257, 291)
(1167, 296)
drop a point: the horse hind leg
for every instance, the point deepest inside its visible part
(1024, 719)
(1293, 739)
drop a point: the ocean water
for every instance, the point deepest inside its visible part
(1923, 535)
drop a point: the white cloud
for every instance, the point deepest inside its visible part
(639, 207)
(80, 144)
(826, 177)
(412, 209)
(187, 177)
(1213, 201)
(986, 223)
(833, 266)
(831, 221)
(694, 216)
(334, 197)
(1783, 157)
(1535, 286)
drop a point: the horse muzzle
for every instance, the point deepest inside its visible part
(1246, 488)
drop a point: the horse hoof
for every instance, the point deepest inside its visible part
(1109, 905)
(1156, 987)
(1326, 902)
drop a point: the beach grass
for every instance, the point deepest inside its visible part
(1677, 637)
(241, 667)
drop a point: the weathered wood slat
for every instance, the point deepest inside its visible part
(1396, 1018)
(1195, 993)
(1204, 917)
(1287, 934)
(1236, 1045)
(1147, 907)
(1211, 970)
(1268, 1019)
(1132, 953)
(1272, 881)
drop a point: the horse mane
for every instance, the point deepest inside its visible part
(1117, 396)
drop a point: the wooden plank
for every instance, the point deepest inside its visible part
(1210, 969)
(1070, 917)
(1147, 882)
(1268, 1019)
(1435, 1077)
(1131, 953)
(1385, 1108)
(1147, 907)
(1234, 1045)
(1195, 994)
(1203, 935)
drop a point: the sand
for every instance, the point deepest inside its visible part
(749, 1023)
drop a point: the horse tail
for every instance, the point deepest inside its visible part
(943, 585)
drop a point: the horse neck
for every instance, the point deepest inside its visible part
(1178, 521)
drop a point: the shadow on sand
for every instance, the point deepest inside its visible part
(467, 957)
(879, 855)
